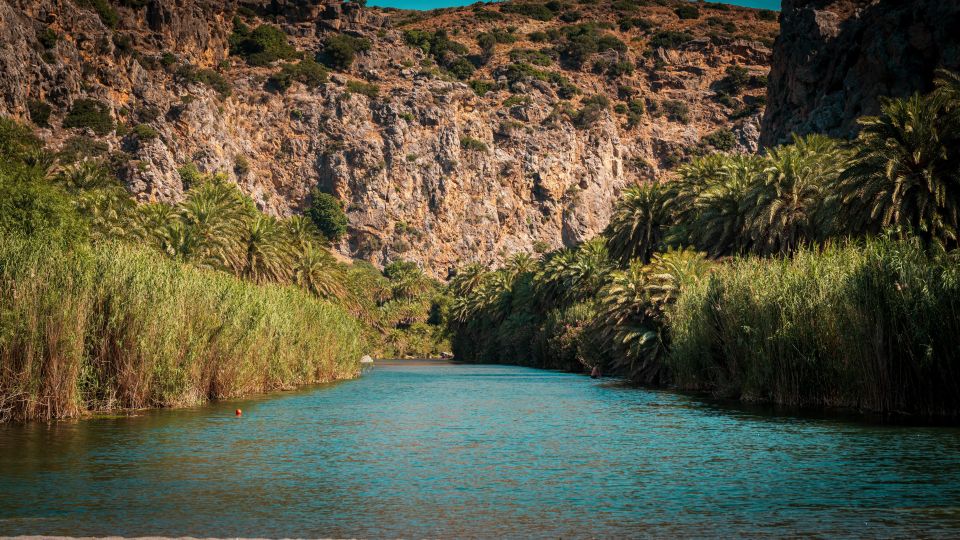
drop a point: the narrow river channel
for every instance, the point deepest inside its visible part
(443, 450)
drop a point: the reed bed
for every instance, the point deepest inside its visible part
(873, 326)
(118, 327)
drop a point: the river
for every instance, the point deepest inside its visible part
(444, 450)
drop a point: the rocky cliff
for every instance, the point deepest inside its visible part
(835, 58)
(433, 165)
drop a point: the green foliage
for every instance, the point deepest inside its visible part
(582, 41)
(339, 50)
(818, 321)
(306, 71)
(591, 110)
(868, 326)
(906, 169)
(39, 112)
(669, 39)
(107, 13)
(472, 144)
(638, 225)
(145, 132)
(261, 46)
(687, 11)
(241, 165)
(48, 38)
(531, 10)
(447, 53)
(367, 89)
(90, 113)
(326, 211)
(767, 15)
(722, 140)
(112, 326)
(481, 87)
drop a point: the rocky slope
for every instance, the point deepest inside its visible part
(429, 169)
(835, 58)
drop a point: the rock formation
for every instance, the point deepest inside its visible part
(835, 58)
(428, 169)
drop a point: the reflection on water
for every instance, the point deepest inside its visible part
(476, 451)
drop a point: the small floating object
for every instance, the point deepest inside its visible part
(239, 412)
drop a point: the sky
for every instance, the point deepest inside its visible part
(432, 4)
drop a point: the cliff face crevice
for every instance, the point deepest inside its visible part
(428, 170)
(834, 59)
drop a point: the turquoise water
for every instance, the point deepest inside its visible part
(434, 4)
(477, 451)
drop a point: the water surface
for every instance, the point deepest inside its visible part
(476, 451)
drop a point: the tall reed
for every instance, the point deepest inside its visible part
(113, 326)
(873, 326)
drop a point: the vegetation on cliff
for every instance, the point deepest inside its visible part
(824, 272)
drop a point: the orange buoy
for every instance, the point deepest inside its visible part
(239, 412)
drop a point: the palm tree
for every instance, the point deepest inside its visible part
(784, 207)
(521, 263)
(316, 270)
(634, 307)
(467, 279)
(906, 170)
(265, 251)
(720, 223)
(215, 213)
(303, 233)
(552, 279)
(693, 180)
(99, 197)
(638, 223)
(406, 280)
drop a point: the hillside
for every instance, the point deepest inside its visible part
(512, 129)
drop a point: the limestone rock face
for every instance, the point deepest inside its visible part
(835, 58)
(428, 170)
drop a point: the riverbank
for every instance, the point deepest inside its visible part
(866, 326)
(106, 327)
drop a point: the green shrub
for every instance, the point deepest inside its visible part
(472, 144)
(591, 110)
(640, 23)
(241, 165)
(90, 113)
(722, 140)
(263, 45)
(530, 10)
(48, 38)
(669, 39)
(339, 50)
(675, 110)
(767, 15)
(145, 132)
(39, 112)
(306, 71)
(190, 175)
(31, 206)
(326, 211)
(461, 68)
(367, 89)
(108, 15)
(188, 73)
(481, 87)
(687, 11)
